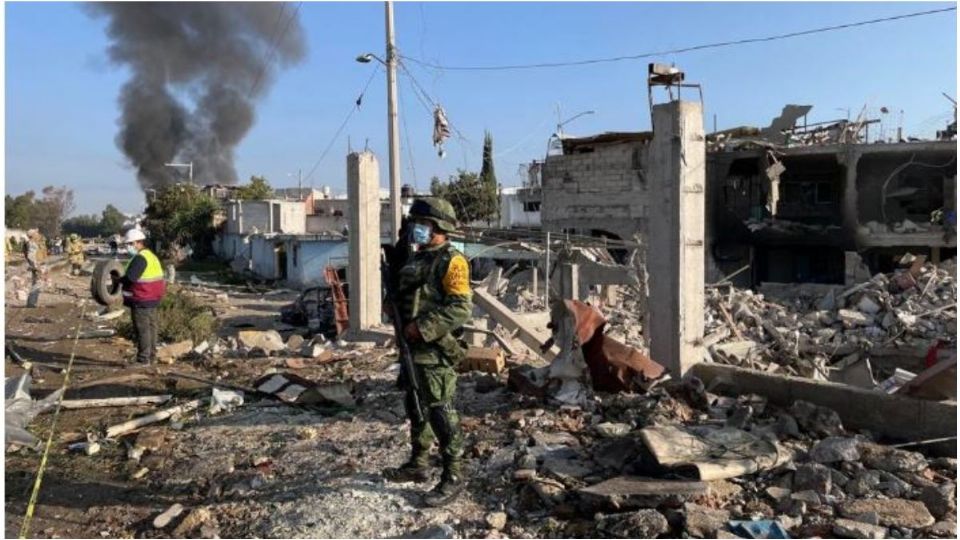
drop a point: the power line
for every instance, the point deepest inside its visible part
(406, 135)
(273, 45)
(677, 51)
(336, 135)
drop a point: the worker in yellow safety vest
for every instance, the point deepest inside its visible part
(143, 289)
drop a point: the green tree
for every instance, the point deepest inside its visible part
(19, 210)
(488, 180)
(180, 217)
(257, 190)
(111, 221)
(86, 226)
(465, 192)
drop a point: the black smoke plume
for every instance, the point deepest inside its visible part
(198, 69)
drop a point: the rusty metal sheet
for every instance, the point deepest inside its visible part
(613, 366)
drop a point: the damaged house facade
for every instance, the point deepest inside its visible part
(792, 204)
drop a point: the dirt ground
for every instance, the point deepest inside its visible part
(265, 469)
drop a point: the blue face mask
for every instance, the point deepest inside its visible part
(420, 234)
(132, 250)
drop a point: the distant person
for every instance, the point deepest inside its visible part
(58, 246)
(35, 252)
(75, 253)
(143, 289)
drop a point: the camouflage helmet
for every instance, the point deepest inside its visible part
(437, 210)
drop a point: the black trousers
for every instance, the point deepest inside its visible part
(145, 324)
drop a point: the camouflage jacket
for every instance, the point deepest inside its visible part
(434, 291)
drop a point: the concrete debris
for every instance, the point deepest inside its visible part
(804, 329)
(848, 528)
(646, 523)
(709, 453)
(225, 400)
(892, 512)
(704, 522)
(268, 341)
(496, 520)
(167, 516)
(833, 449)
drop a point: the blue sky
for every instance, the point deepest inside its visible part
(61, 91)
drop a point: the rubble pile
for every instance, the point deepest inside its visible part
(809, 326)
(614, 469)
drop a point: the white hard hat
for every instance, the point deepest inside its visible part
(134, 235)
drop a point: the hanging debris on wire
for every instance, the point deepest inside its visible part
(441, 129)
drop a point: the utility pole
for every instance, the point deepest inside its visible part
(300, 183)
(393, 133)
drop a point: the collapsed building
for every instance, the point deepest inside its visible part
(814, 204)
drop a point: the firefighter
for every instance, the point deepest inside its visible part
(75, 253)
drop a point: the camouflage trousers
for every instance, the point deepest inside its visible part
(438, 384)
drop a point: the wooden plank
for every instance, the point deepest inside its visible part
(114, 402)
(131, 425)
(531, 337)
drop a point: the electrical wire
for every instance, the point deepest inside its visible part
(273, 46)
(406, 135)
(336, 135)
(676, 51)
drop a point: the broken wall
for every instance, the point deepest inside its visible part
(599, 190)
(911, 192)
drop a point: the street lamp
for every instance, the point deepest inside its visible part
(558, 134)
(393, 132)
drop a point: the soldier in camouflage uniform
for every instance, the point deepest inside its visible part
(433, 291)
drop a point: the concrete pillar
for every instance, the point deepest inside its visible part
(363, 193)
(570, 281)
(675, 255)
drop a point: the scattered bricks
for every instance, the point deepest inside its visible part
(892, 460)
(892, 512)
(704, 522)
(940, 500)
(833, 449)
(645, 523)
(847, 528)
(485, 359)
(814, 477)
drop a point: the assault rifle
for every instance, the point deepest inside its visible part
(407, 369)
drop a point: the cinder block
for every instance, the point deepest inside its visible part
(486, 359)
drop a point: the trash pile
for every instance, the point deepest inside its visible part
(811, 326)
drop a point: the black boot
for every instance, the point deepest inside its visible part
(446, 491)
(416, 469)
